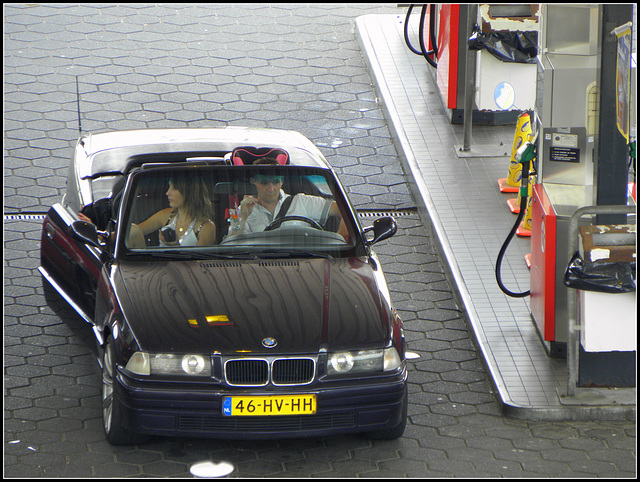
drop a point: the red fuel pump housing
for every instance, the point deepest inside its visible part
(543, 263)
(449, 67)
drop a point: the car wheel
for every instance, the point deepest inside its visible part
(395, 432)
(112, 410)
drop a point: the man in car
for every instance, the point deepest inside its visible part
(257, 212)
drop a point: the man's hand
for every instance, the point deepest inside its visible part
(85, 218)
(246, 206)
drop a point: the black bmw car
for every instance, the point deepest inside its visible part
(231, 289)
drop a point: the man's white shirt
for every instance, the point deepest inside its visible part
(312, 207)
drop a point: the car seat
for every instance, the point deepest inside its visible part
(248, 155)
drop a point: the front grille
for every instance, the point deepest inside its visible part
(292, 371)
(247, 372)
(259, 372)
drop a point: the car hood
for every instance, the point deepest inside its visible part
(232, 306)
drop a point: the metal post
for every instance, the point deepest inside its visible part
(573, 349)
(612, 155)
(464, 150)
(470, 79)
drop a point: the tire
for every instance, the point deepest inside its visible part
(113, 413)
(395, 432)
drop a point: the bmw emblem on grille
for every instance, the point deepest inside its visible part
(269, 342)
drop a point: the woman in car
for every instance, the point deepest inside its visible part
(185, 223)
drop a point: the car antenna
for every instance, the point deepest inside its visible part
(78, 104)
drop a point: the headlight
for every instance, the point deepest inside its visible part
(143, 363)
(340, 362)
(391, 359)
(363, 361)
(139, 363)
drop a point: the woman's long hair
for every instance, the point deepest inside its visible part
(196, 195)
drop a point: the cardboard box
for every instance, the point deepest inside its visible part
(608, 243)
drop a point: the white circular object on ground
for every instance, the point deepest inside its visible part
(211, 469)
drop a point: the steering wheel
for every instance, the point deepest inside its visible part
(277, 222)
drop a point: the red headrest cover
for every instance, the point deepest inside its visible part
(248, 154)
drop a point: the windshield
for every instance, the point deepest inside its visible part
(236, 211)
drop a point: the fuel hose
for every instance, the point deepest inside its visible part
(526, 157)
(432, 36)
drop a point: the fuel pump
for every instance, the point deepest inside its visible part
(502, 89)
(570, 122)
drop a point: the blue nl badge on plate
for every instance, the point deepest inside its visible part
(226, 406)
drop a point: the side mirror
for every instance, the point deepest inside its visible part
(383, 228)
(86, 232)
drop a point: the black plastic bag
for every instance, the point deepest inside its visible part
(518, 47)
(601, 277)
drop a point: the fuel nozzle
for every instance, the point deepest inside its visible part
(525, 154)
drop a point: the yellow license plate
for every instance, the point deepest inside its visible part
(269, 405)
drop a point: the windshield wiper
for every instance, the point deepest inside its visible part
(292, 254)
(247, 254)
(185, 255)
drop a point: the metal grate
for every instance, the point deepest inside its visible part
(221, 264)
(393, 214)
(276, 262)
(24, 217)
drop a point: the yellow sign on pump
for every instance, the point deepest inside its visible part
(623, 78)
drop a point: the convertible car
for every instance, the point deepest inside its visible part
(214, 314)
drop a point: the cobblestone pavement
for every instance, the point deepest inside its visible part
(293, 66)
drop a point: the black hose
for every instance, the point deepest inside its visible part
(406, 31)
(432, 29)
(426, 54)
(422, 52)
(523, 209)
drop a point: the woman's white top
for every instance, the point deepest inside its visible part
(188, 238)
